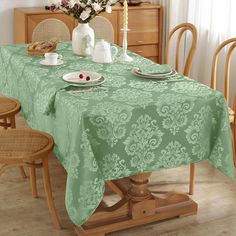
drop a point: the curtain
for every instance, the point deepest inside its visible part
(7, 17)
(214, 20)
(166, 17)
(179, 8)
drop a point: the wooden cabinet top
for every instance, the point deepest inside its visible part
(118, 7)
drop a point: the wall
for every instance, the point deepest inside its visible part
(6, 16)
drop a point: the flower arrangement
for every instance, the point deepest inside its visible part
(82, 10)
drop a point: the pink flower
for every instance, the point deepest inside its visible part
(53, 7)
(64, 3)
(76, 6)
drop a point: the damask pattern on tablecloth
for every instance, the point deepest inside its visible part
(90, 162)
(192, 88)
(127, 125)
(149, 85)
(174, 109)
(109, 119)
(114, 167)
(132, 97)
(174, 154)
(89, 190)
(144, 137)
(115, 81)
(195, 134)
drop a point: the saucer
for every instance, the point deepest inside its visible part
(45, 63)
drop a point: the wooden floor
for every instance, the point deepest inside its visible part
(21, 215)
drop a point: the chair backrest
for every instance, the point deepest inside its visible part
(103, 28)
(182, 28)
(51, 28)
(229, 55)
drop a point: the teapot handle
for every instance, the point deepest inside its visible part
(114, 51)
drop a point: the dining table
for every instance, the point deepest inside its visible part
(126, 127)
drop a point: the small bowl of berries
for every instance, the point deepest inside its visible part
(84, 77)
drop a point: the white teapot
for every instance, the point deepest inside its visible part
(103, 52)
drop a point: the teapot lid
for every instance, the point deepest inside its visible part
(102, 41)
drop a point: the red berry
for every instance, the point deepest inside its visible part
(88, 78)
(81, 76)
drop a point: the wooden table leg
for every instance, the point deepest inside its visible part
(138, 207)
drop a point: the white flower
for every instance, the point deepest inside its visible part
(108, 9)
(85, 13)
(71, 3)
(96, 6)
(56, 2)
(82, 4)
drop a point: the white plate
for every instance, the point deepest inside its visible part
(153, 76)
(95, 83)
(45, 63)
(74, 78)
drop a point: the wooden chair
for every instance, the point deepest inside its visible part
(234, 131)
(181, 29)
(232, 115)
(103, 28)
(232, 43)
(8, 109)
(30, 148)
(51, 28)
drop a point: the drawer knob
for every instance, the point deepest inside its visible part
(140, 51)
(140, 41)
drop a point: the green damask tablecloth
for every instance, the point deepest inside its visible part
(127, 126)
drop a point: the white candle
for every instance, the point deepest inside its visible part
(125, 20)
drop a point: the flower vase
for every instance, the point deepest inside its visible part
(83, 40)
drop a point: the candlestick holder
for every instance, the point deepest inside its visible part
(124, 56)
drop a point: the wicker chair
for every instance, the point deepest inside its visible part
(103, 28)
(51, 28)
(30, 148)
(8, 109)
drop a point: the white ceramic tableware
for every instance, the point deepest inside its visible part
(99, 82)
(45, 63)
(80, 77)
(103, 52)
(52, 58)
(136, 72)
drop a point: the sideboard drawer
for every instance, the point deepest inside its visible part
(145, 50)
(143, 25)
(155, 59)
(140, 38)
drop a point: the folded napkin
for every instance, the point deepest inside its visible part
(155, 68)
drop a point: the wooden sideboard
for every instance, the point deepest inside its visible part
(145, 24)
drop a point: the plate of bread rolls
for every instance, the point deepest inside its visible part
(42, 47)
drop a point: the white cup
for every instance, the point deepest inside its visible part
(52, 58)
